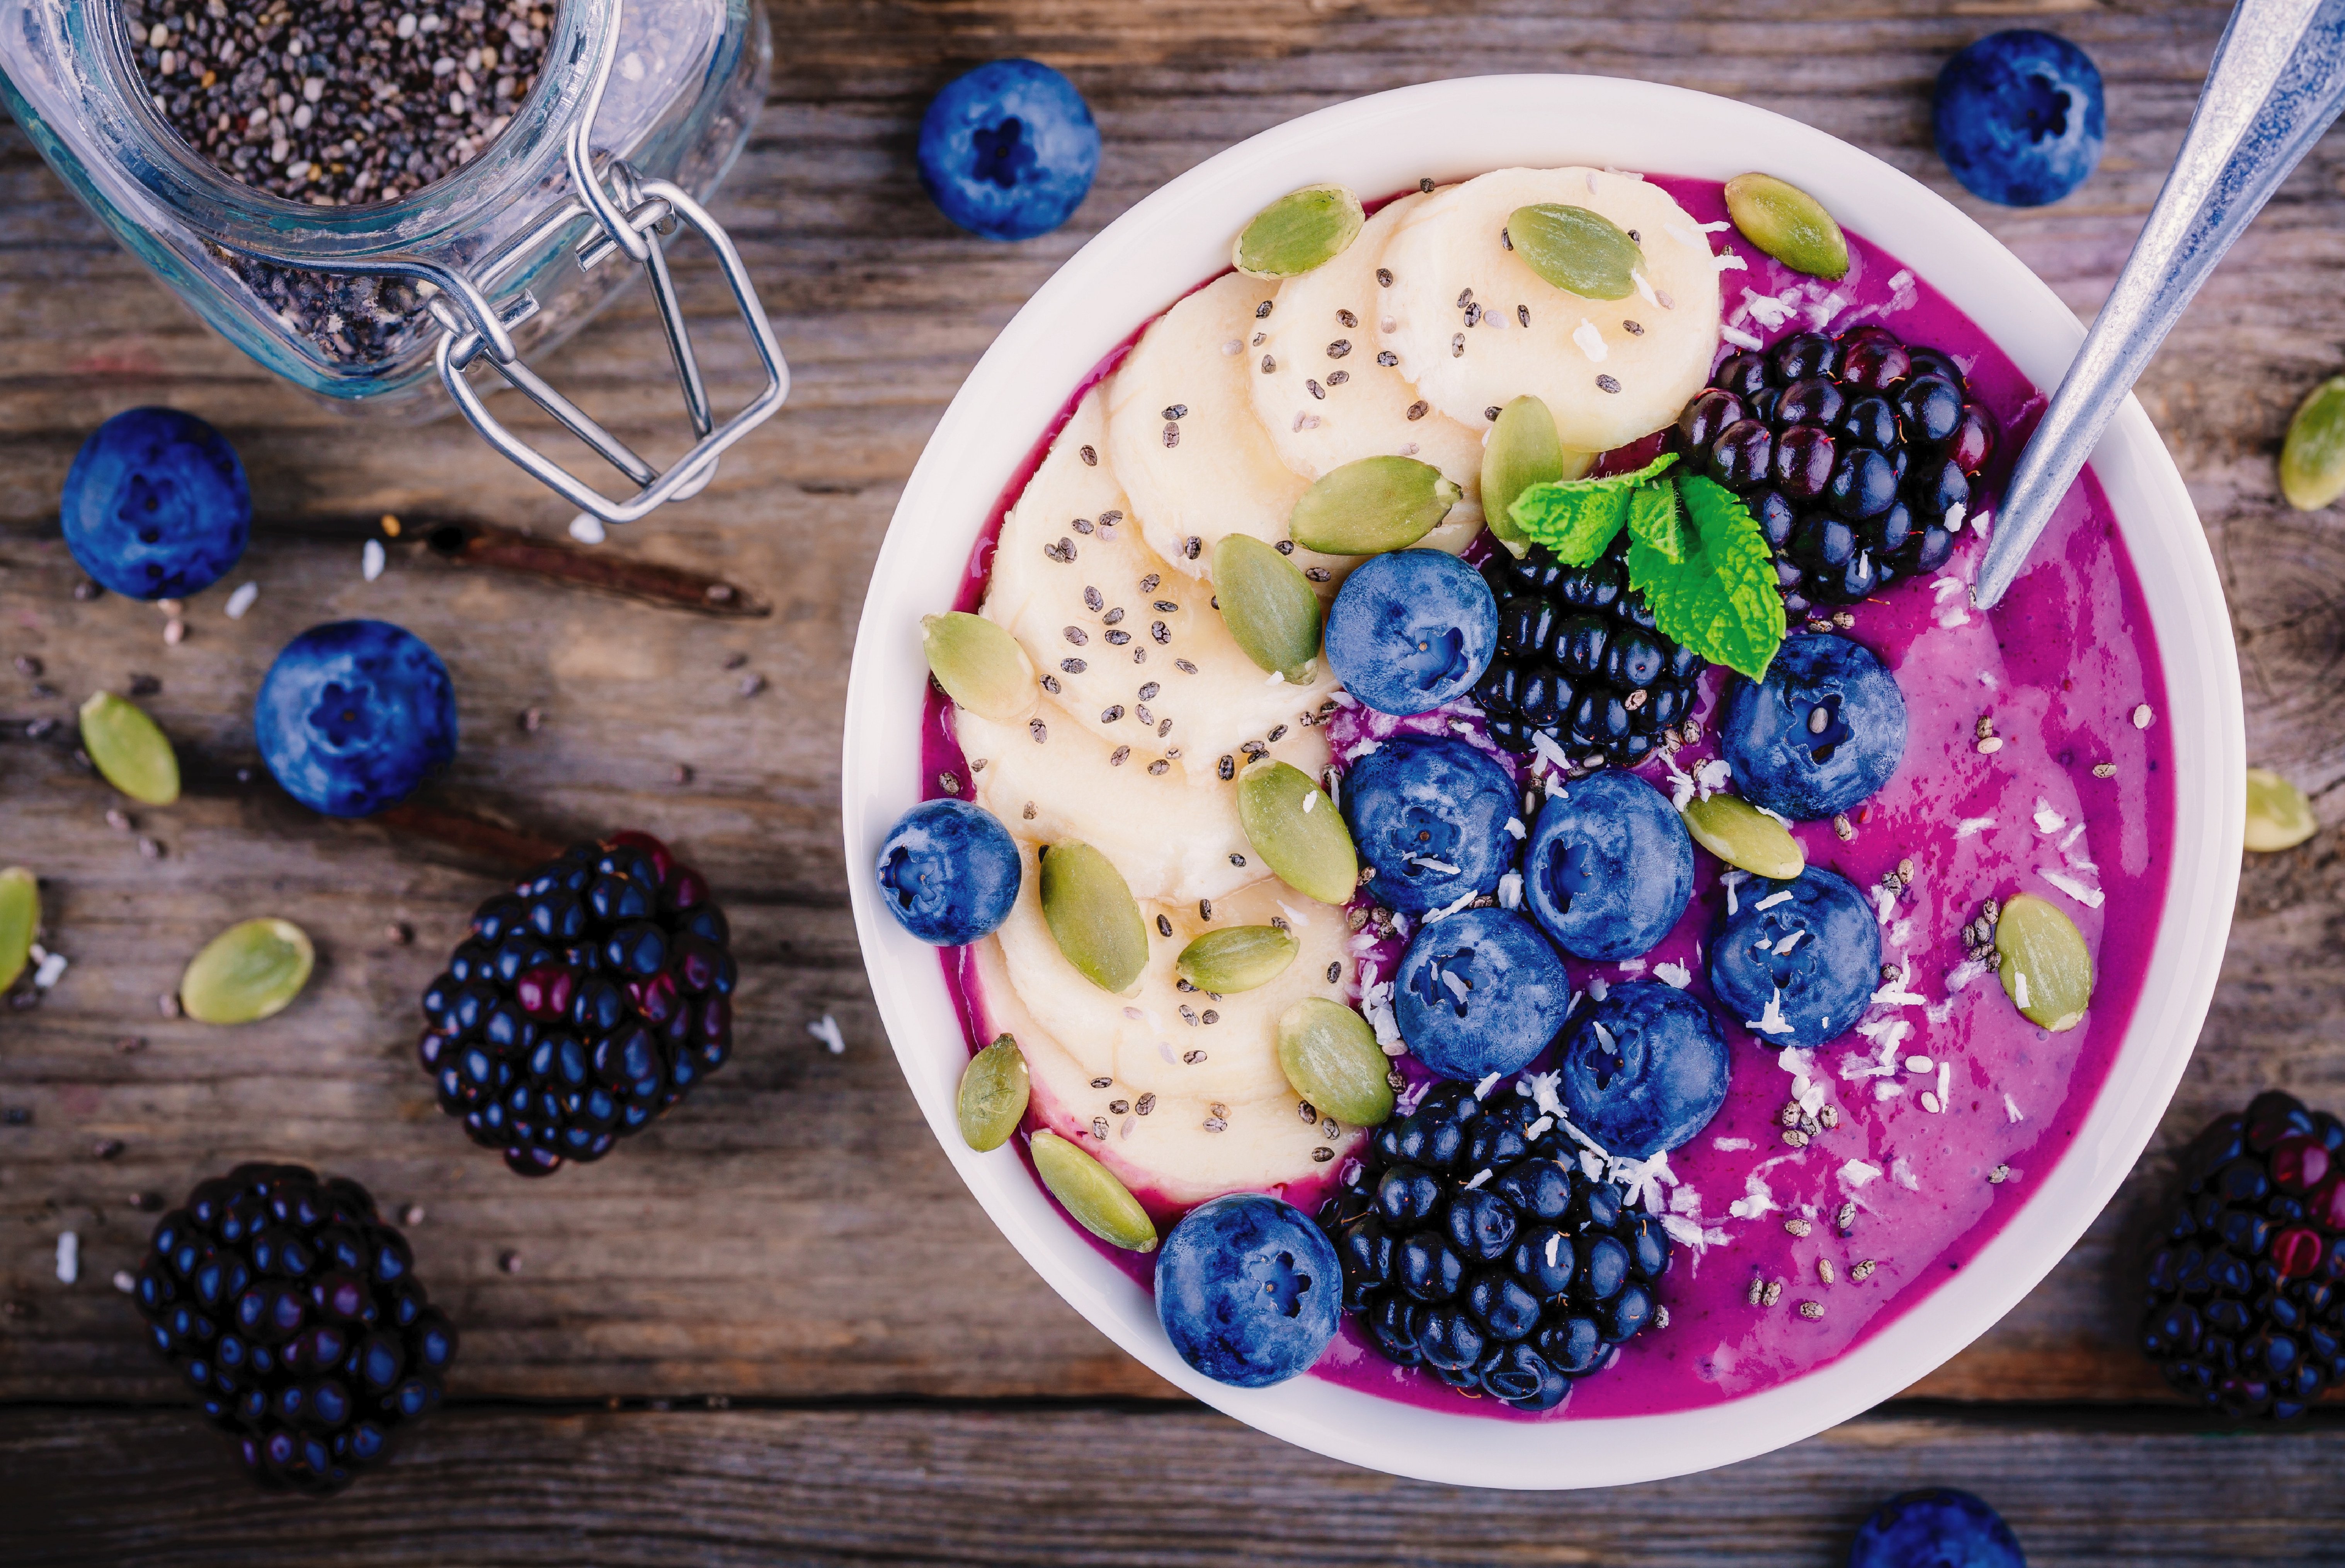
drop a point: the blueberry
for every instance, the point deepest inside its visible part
(1941, 1528)
(1815, 956)
(950, 872)
(1412, 630)
(1248, 1289)
(1824, 730)
(2018, 118)
(1430, 814)
(1608, 867)
(1480, 992)
(1009, 150)
(1645, 1069)
(156, 505)
(354, 715)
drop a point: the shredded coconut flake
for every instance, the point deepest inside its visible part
(1740, 338)
(1771, 1021)
(826, 1029)
(1729, 881)
(1675, 974)
(2047, 820)
(2089, 897)
(2011, 1109)
(1590, 340)
(68, 1257)
(370, 562)
(1728, 261)
(1970, 825)
(1510, 891)
(241, 600)
(1855, 1174)
(1771, 899)
(1515, 829)
(1733, 1145)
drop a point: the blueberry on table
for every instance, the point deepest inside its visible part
(1823, 731)
(1645, 1069)
(948, 873)
(156, 505)
(1249, 1290)
(354, 715)
(2018, 118)
(1480, 991)
(1430, 814)
(1608, 868)
(1009, 150)
(1940, 1528)
(1412, 630)
(1798, 961)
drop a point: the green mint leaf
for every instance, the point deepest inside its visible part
(1577, 518)
(1721, 600)
(1654, 520)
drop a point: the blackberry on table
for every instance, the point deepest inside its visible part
(586, 1001)
(295, 1313)
(1858, 455)
(2247, 1287)
(1485, 1254)
(1580, 661)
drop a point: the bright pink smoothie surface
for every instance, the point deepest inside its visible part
(2066, 671)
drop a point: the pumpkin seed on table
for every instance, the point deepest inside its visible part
(979, 665)
(249, 971)
(1268, 606)
(1579, 251)
(1099, 1202)
(1094, 917)
(1236, 957)
(1331, 1058)
(129, 749)
(2313, 460)
(2046, 968)
(994, 1090)
(1788, 224)
(20, 919)
(1744, 837)
(1523, 449)
(2279, 815)
(1300, 231)
(1371, 505)
(1297, 830)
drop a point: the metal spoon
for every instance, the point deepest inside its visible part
(2278, 79)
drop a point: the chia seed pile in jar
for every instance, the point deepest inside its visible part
(338, 103)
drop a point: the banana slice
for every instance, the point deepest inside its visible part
(1192, 1144)
(1183, 434)
(1474, 326)
(1319, 386)
(1172, 840)
(1137, 653)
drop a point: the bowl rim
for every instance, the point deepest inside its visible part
(1162, 246)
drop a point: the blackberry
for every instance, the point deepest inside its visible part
(295, 1313)
(1580, 661)
(1859, 455)
(2247, 1287)
(1480, 1250)
(587, 1001)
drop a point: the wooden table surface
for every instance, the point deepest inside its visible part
(775, 1328)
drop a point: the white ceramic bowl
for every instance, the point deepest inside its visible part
(1179, 237)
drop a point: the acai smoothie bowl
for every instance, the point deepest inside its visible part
(1436, 830)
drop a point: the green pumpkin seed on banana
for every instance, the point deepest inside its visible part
(1331, 1057)
(1269, 608)
(1237, 958)
(1093, 916)
(979, 665)
(1297, 830)
(1523, 451)
(1301, 230)
(1371, 505)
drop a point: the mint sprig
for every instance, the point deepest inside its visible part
(1695, 553)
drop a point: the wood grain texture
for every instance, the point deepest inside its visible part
(792, 1232)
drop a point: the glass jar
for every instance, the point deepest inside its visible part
(638, 110)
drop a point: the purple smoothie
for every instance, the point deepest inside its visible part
(2065, 669)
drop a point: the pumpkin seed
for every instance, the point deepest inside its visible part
(1329, 1056)
(1236, 957)
(2045, 969)
(1743, 836)
(1268, 606)
(1580, 252)
(1372, 506)
(1297, 830)
(1091, 1193)
(2279, 815)
(20, 918)
(994, 1089)
(1788, 224)
(249, 972)
(1523, 451)
(979, 665)
(131, 752)
(1302, 229)
(2313, 460)
(1093, 916)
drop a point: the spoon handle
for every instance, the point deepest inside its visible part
(2278, 79)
